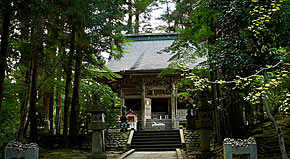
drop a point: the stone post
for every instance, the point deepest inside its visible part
(143, 104)
(122, 96)
(173, 106)
(205, 125)
(97, 125)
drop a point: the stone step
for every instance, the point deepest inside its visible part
(133, 146)
(157, 133)
(156, 149)
(152, 142)
(154, 139)
(156, 136)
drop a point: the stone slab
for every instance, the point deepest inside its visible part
(153, 155)
(30, 153)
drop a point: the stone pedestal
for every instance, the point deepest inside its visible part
(31, 153)
(97, 125)
(240, 147)
(97, 145)
(205, 125)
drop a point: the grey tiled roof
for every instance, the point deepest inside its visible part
(142, 56)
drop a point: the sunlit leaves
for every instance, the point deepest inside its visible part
(262, 14)
(278, 87)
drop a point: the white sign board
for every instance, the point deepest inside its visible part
(147, 108)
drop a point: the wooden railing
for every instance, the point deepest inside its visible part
(181, 114)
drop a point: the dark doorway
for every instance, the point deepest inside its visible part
(159, 105)
(133, 104)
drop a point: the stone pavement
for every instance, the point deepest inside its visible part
(153, 155)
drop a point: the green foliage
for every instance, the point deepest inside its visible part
(9, 117)
(226, 32)
(278, 87)
(93, 92)
(193, 83)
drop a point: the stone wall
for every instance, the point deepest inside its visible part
(116, 140)
(192, 139)
(113, 140)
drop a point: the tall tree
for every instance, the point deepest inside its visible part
(6, 18)
(76, 90)
(137, 11)
(37, 36)
(105, 37)
(68, 71)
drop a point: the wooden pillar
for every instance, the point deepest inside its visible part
(122, 100)
(173, 105)
(143, 125)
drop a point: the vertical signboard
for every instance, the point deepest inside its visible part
(147, 108)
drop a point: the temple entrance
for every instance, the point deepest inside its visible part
(160, 108)
(133, 104)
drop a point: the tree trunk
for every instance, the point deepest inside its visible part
(76, 92)
(4, 45)
(58, 111)
(33, 99)
(273, 120)
(37, 43)
(58, 97)
(24, 109)
(45, 102)
(236, 118)
(130, 19)
(137, 22)
(168, 14)
(26, 62)
(50, 117)
(68, 85)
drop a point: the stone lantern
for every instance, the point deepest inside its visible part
(191, 117)
(205, 125)
(97, 125)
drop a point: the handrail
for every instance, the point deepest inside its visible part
(182, 138)
(130, 139)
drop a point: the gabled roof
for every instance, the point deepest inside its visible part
(143, 54)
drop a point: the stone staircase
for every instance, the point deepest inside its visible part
(156, 141)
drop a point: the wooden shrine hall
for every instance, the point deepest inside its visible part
(152, 98)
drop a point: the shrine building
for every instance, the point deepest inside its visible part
(154, 99)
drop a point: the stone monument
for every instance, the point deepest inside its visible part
(241, 147)
(205, 124)
(97, 125)
(15, 150)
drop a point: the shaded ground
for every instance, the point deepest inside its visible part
(267, 140)
(73, 154)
